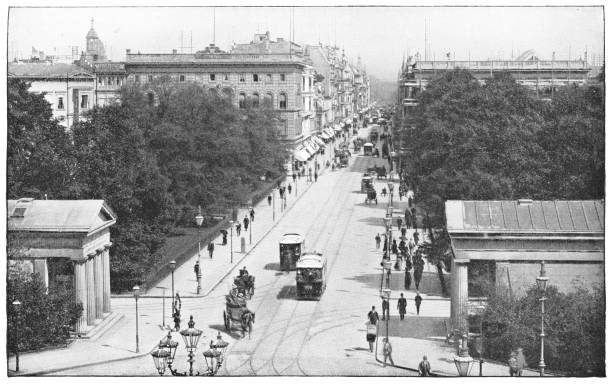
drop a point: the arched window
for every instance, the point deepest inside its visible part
(267, 102)
(242, 101)
(282, 101)
(255, 100)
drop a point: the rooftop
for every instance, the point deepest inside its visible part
(47, 70)
(525, 216)
(212, 58)
(58, 215)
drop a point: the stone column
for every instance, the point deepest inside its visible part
(98, 279)
(91, 292)
(106, 303)
(80, 289)
(459, 296)
(40, 267)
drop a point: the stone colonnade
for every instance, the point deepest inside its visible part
(92, 287)
(459, 292)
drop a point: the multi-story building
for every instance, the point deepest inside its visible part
(69, 88)
(542, 77)
(263, 73)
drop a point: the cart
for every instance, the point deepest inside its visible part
(366, 183)
(368, 149)
(236, 311)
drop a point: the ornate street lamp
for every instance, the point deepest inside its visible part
(390, 185)
(17, 307)
(164, 356)
(136, 291)
(199, 220)
(480, 343)
(542, 281)
(386, 295)
(463, 361)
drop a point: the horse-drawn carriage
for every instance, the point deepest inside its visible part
(244, 284)
(366, 183)
(371, 196)
(236, 311)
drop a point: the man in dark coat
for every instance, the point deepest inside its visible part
(238, 227)
(385, 308)
(211, 249)
(252, 213)
(224, 234)
(417, 302)
(373, 316)
(246, 223)
(270, 199)
(401, 306)
(289, 188)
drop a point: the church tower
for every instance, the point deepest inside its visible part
(95, 48)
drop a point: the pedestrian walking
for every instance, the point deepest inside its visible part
(394, 247)
(377, 238)
(252, 213)
(373, 316)
(309, 174)
(289, 188)
(224, 234)
(385, 308)
(413, 212)
(316, 176)
(238, 227)
(269, 199)
(211, 249)
(403, 230)
(415, 236)
(417, 302)
(387, 349)
(196, 269)
(401, 306)
(176, 316)
(384, 192)
(399, 223)
(407, 276)
(424, 367)
(294, 177)
(246, 223)
(370, 335)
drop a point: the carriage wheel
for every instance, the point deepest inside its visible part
(226, 321)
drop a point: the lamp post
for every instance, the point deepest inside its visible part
(136, 291)
(273, 205)
(386, 294)
(480, 343)
(390, 185)
(542, 281)
(164, 356)
(463, 361)
(199, 220)
(172, 268)
(163, 305)
(231, 223)
(387, 262)
(17, 307)
(250, 226)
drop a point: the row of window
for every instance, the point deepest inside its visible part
(255, 77)
(83, 105)
(110, 80)
(254, 101)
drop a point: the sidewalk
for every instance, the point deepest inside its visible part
(118, 342)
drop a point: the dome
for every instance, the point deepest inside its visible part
(92, 32)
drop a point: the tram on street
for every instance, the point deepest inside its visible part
(311, 276)
(368, 149)
(291, 247)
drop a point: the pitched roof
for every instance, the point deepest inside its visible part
(58, 215)
(46, 70)
(525, 216)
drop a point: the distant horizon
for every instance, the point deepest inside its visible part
(382, 36)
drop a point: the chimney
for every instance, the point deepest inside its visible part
(174, 51)
(128, 51)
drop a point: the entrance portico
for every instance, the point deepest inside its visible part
(66, 242)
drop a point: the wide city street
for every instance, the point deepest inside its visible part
(298, 337)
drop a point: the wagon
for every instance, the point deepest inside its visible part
(236, 311)
(366, 183)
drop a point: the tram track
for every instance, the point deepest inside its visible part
(275, 304)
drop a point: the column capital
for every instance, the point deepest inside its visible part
(107, 246)
(100, 250)
(91, 255)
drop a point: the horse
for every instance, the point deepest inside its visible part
(246, 321)
(371, 196)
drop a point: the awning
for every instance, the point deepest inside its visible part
(337, 128)
(301, 155)
(319, 141)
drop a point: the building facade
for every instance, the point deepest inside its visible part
(66, 242)
(542, 77)
(502, 244)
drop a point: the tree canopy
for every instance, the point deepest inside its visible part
(162, 151)
(468, 140)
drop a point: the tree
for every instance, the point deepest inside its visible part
(39, 158)
(44, 319)
(574, 327)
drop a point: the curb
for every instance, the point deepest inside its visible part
(84, 365)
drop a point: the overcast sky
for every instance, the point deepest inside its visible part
(380, 35)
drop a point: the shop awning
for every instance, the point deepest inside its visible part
(301, 155)
(318, 141)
